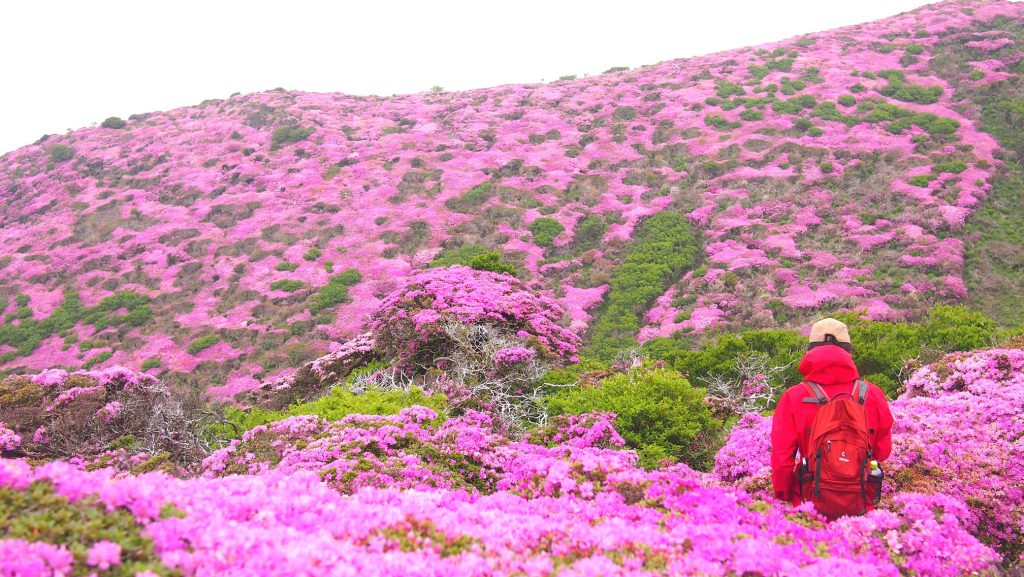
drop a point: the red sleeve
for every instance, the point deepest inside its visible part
(784, 445)
(883, 437)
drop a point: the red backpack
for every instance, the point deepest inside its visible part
(834, 474)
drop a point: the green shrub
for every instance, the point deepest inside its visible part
(202, 343)
(472, 198)
(847, 100)
(826, 167)
(29, 333)
(914, 49)
(286, 266)
(624, 113)
(726, 89)
(952, 166)
(751, 115)
(881, 349)
(151, 363)
(114, 122)
(661, 248)
(61, 153)
(492, 261)
(782, 348)
(463, 255)
(936, 125)
(898, 88)
(287, 285)
(312, 254)
(658, 413)
(827, 111)
(921, 180)
(339, 403)
(957, 328)
(590, 230)
(545, 230)
(39, 514)
(288, 134)
(102, 357)
(336, 290)
(720, 123)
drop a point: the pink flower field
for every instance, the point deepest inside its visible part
(529, 330)
(401, 495)
(830, 170)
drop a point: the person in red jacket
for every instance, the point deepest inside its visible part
(829, 363)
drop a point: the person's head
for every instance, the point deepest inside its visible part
(830, 332)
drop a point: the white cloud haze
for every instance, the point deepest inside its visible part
(72, 64)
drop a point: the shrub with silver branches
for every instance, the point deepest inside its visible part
(89, 413)
(753, 387)
(499, 370)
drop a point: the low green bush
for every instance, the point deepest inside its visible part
(751, 115)
(472, 198)
(338, 404)
(725, 89)
(658, 412)
(661, 249)
(61, 153)
(544, 231)
(288, 134)
(491, 261)
(114, 122)
(720, 123)
(624, 113)
(335, 291)
(202, 343)
(287, 285)
(463, 254)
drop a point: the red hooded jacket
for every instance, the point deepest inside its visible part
(833, 368)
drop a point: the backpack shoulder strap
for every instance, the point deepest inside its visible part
(819, 398)
(860, 391)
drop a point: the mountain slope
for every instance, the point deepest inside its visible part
(225, 242)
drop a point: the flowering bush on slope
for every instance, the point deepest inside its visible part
(233, 219)
(958, 431)
(574, 455)
(293, 524)
(409, 323)
(57, 414)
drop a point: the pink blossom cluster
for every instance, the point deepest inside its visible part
(288, 524)
(20, 558)
(513, 355)
(409, 322)
(9, 440)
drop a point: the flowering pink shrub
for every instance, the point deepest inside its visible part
(243, 235)
(57, 414)
(104, 554)
(20, 558)
(744, 459)
(409, 323)
(9, 440)
(283, 524)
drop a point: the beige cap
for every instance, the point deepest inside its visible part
(829, 327)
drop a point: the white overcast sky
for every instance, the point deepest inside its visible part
(70, 64)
